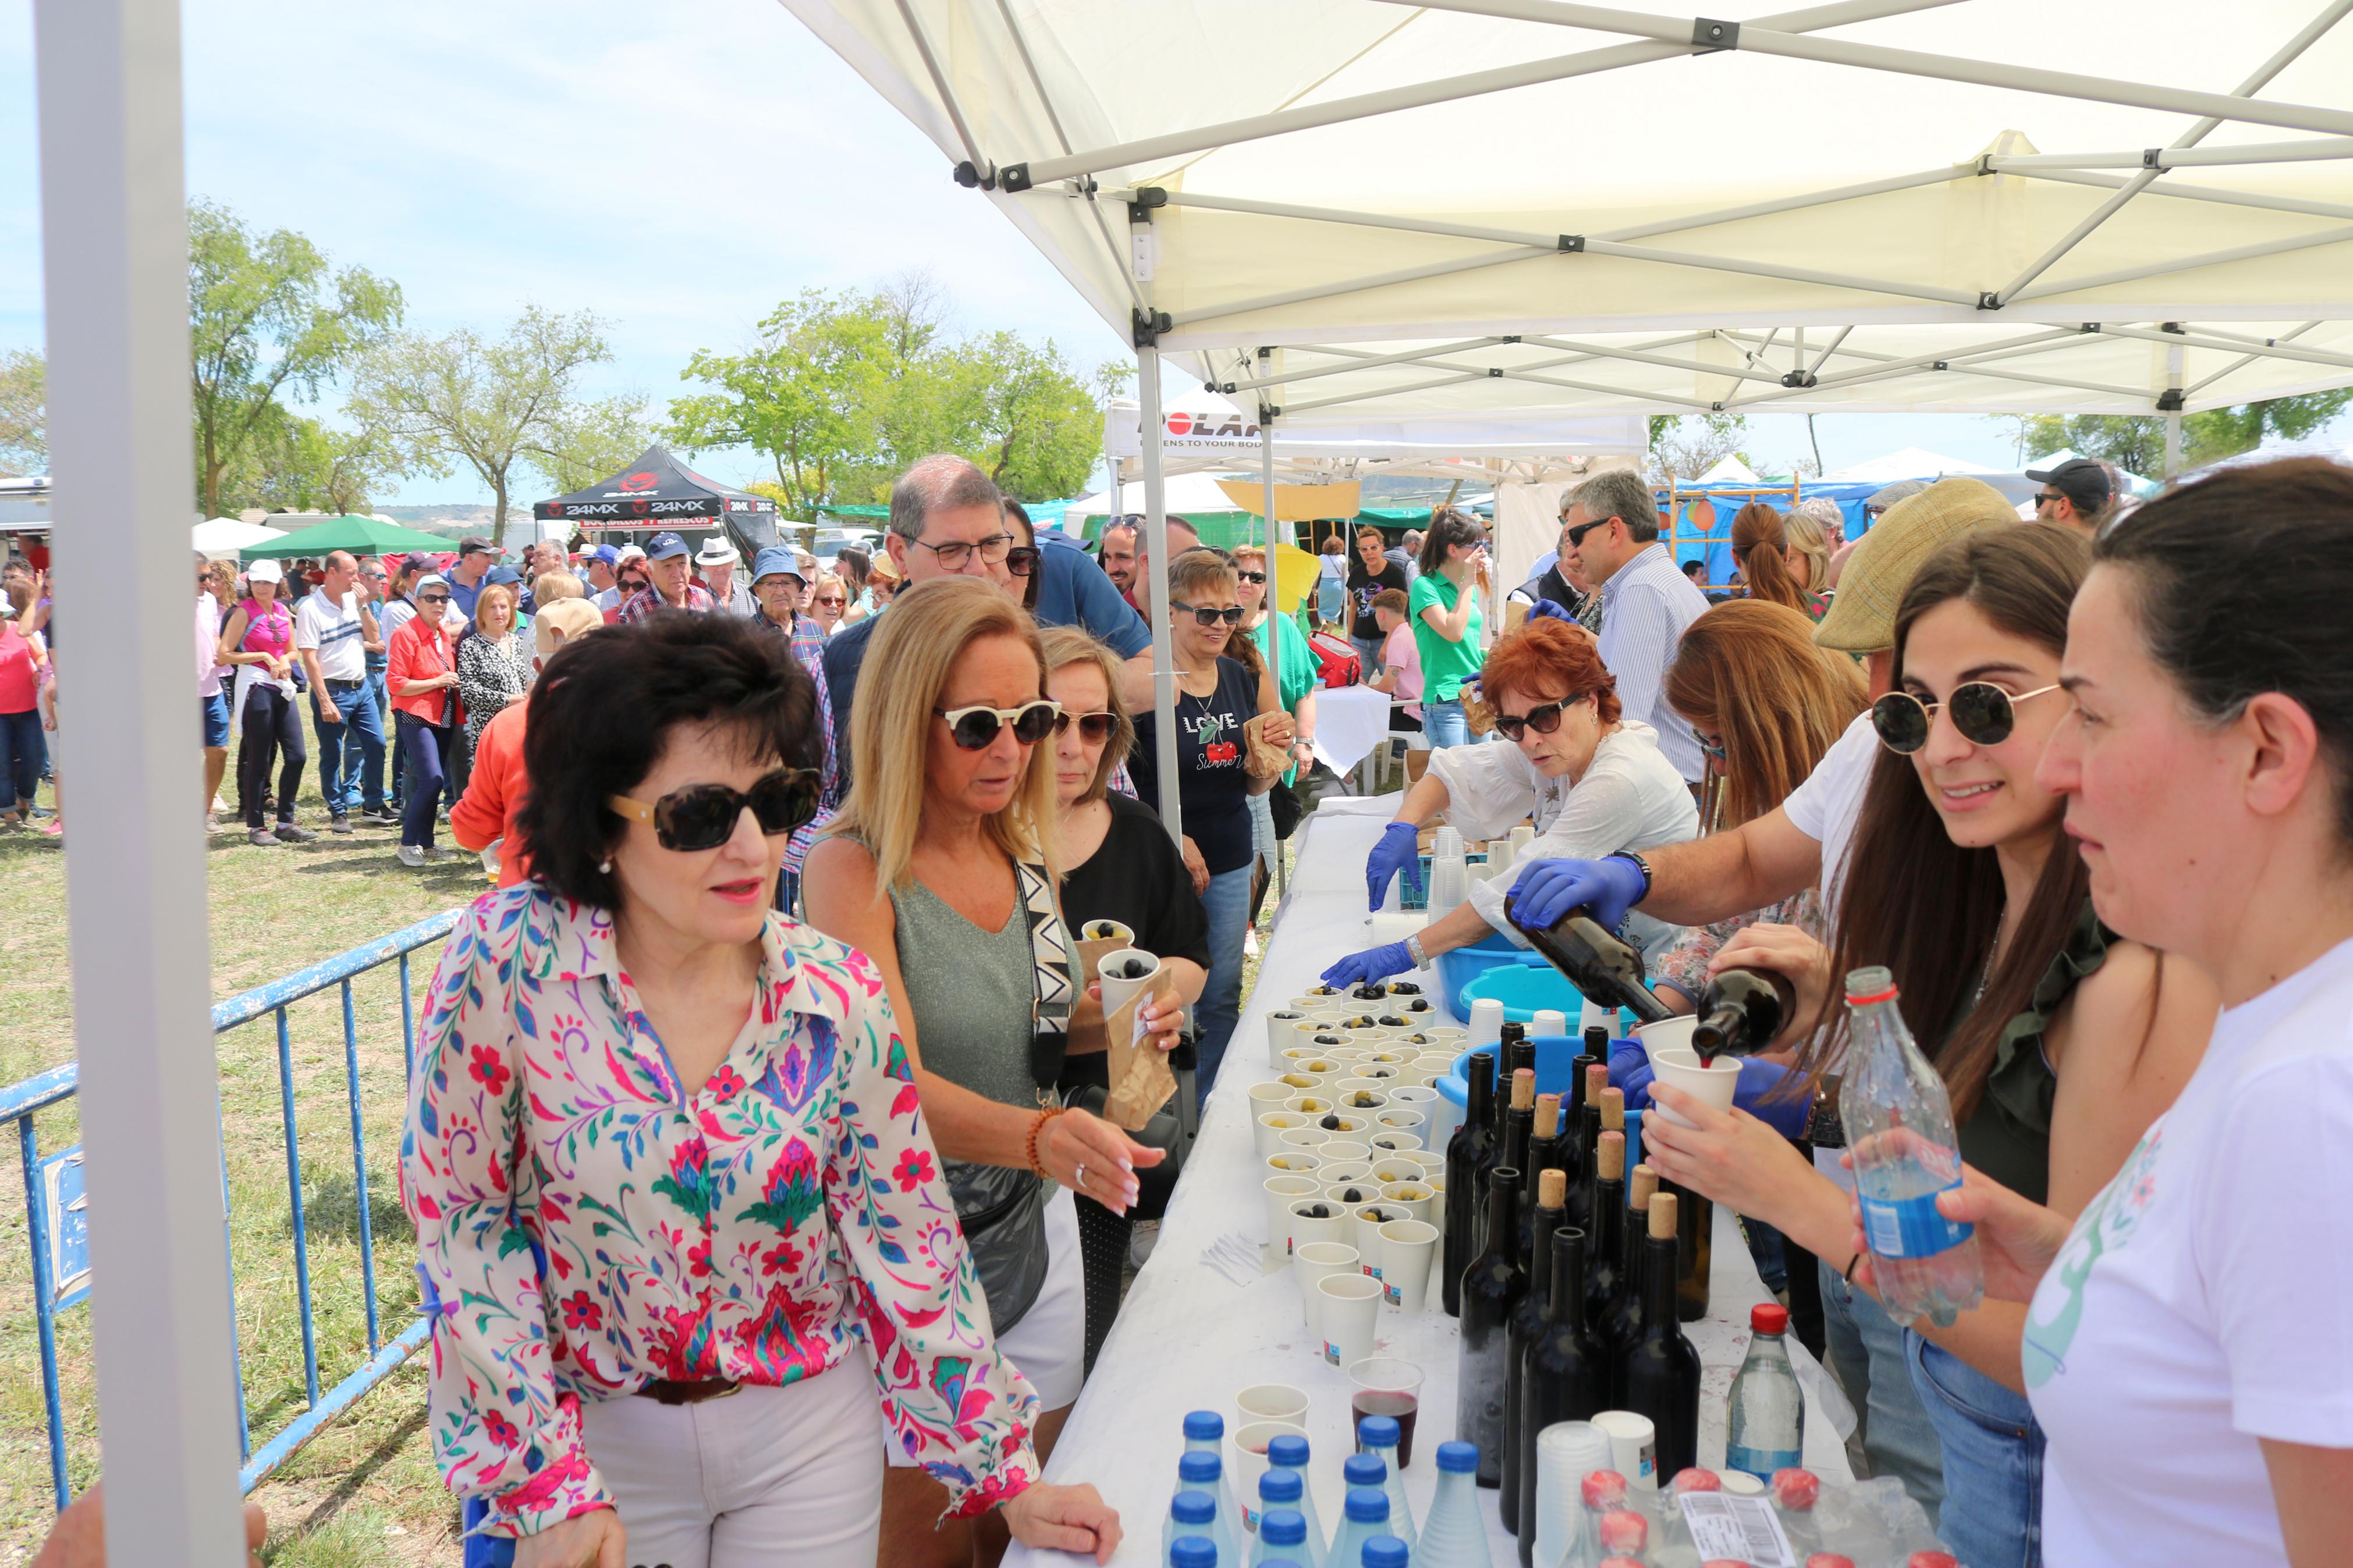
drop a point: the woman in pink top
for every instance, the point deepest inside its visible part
(259, 640)
(22, 747)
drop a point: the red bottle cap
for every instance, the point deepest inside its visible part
(1932, 1560)
(1697, 1480)
(1796, 1490)
(1766, 1318)
(1624, 1532)
(1829, 1560)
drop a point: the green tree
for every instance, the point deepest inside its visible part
(2136, 443)
(591, 441)
(1687, 446)
(24, 412)
(267, 317)
(295, 463)
(492, 406)
(1028, 419)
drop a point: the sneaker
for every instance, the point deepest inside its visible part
(379, 817)
(1140, 1245)
(413, 856)
(339, 821)
(261, 837)
(290, 833)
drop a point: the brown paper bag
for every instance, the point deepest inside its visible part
(1091, 951)
(1141, 1082)
(1515, 611)
(1267, 758)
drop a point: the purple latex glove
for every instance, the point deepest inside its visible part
(1399, 850)
(1546, 889)
(1630, 1071)
(1372, 963)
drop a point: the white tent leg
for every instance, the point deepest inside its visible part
(1273, 610)
(114, 249)
(2173, 445)
(1164, 652)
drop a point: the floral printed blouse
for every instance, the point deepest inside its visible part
(586, 1227)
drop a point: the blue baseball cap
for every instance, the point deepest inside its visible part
(662, 546)
(501, 577)
(776, 559)
(604, 553)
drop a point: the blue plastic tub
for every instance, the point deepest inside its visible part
(1554, 1053)
(1465, 965)
(1525, 990)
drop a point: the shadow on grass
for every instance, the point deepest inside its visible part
(322, 1518)
(331, 1210)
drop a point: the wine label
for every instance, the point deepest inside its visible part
(1726, 1528)
(1911, 1227)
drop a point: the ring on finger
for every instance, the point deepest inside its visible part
(1082, 1178)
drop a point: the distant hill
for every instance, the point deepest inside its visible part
(453, 518)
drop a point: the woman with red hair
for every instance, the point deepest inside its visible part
(1588, 775)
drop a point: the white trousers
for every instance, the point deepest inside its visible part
(763, 1476)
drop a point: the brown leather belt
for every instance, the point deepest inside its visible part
(663, 1391)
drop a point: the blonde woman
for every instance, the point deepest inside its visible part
(938, 868)
(493, 665)
(829, 601)
(550, 586)
(1806, 535)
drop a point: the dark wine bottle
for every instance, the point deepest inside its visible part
(1548, 1148)
(1603, 967)
(1588, 1140)
(1560, 1374)
(1519, 1132)
(1491, 1286)
(1596, 1042)
(1516, 1049)
(1660, 1373)
(1605, 1243)
(1621, 1325)
(1697, 1217)
(1741, 1012)
(1527, 1322)
(1474, 1144)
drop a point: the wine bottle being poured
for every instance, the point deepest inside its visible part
(1741, 1012)
(1603, 966)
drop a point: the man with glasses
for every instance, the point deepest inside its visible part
(1182, 536)
(2077, 493)
(1559, 582)
(1610, 537)
(671, 571)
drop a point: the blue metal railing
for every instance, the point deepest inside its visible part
(59, 1234)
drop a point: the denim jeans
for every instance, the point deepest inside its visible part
(24, 748)
(426, 747)
(1444, 724)
(1866, 1352)
(1227, 904)
(1369, 652)
(364, 724)
(1993, 1459)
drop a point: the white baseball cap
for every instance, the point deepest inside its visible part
(265, 572)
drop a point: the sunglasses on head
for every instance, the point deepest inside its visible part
(1231, 616)
(1095, 728)
(703, 816)
(1544, 719)
(973, 728)
(1982, 713)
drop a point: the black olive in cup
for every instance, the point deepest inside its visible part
(1327, 1039)
(1331, 1123)
(1404, 988)
(1391, 1021)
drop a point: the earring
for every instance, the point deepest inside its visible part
(606, 867)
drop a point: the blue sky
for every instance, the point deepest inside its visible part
(676, 165)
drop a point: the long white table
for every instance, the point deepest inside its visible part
(1205, 1319)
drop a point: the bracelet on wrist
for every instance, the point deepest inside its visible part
(1037, 1128)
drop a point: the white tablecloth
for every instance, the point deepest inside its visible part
(1350, 720)
(1203, 1322)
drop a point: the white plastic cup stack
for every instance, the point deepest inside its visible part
(1548, 1022)
(1449, 883)
(1446, 841)
(1597, 1015)
(1521, 836)
(1567, 1452)
(1486, 1022)
(1499, 855)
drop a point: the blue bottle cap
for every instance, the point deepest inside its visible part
(1199, 1467)
(1458, 1458)
(1193, 1508)
(1279, 1486)
(1386, 1552)
(1369, 1505)
(1192, 1552)
(1364, 1470)
(1289, 1452)
(1378, 1432)
(1203, 1426)
(1283, 1527)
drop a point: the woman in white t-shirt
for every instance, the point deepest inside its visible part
(2187, 1347)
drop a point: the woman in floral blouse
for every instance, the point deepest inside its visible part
(667, 1167)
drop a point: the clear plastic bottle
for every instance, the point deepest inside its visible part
(1190, 1515)
(1367, 1516)
(1386, 1552)
(1899, 1134)
(1380, 1435)
(1455, 1533)
(1289, 1452)
(1281, 1535)
(1202, 1472)
(1205, 1433)
(1195, 1552)
(1768, 1408)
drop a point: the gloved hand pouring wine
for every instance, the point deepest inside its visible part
(1546, 889)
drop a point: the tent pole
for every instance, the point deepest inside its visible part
(1164, 655)
(2294, 151)
(2195, 339)
(2187, 263)
(1374, 361)
(1273, 611)
(2173, 445)
(115, 255)
(2178, 192)
(2242, 363)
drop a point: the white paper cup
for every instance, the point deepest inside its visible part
(1269, 1129)
(1339, 1151)
(1667, 1033)
(1403, 1119)
(1361, 1096)
(1316, 1103)
(1368, 1222)
(1351, 1124)
(1281, 1032)
(1246, 1461)
(1413, 1097)
(1098, 931)
(1313, 1261)
(1387, 1144)
(1269, 1096)
(1307, 1135)
(1334, 1176)
(1292, 1163)
(1124, 973)
(1634, 1447)
(1432, 1163)
(1547, 1023)
(1408, 1246)
(1349, 1302)
(1301, 1082)
(1305, 1227)
(1282, 1192)
(1417, 1198)
(1276, 1402)
(1396, 1168)
(1367, 1191)
(1711, 1085)
(1486, 1021)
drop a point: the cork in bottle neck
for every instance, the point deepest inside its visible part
(1524, 1089)
(1639, 1187)
(1613, 1109)
(1551, 1189)
(1547, 1115)
(1596, 1079)
(1609, 1159)
(1662, 1216)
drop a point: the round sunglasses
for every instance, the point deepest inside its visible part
(1232, 614)
(1544, 719)
(703, 816)
(973, 728)
(1093, 728)
(1982, 713)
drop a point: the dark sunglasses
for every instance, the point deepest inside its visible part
(432, 598)
(832, 599)
(1093, 728)
(1258, 577)
(1983, 712)
(2045, 497)
(703, 816)
(1022, 560)
(973, 728)
(1577, 535)
(1232, 614)
(1544, 719)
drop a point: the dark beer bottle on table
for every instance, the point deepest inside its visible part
(1661, 1373)
(1695, 1216)
(1492, 1287)
(1527, 1322)
(1474, 1144)
(1560, 1374)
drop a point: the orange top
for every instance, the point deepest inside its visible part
(494, 793)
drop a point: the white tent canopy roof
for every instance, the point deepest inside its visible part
(1392, 179)
(1911, 463)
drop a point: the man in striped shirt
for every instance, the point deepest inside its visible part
(1611, 535)
(334, 630)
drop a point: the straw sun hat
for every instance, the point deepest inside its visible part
(1862, 618)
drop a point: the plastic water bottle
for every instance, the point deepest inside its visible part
(1386, 1552)
(1455, 1534)
(1899, 1133)
(1279, 1490)
(1192, 1552)
(1202, 1472)
(1380, 1435)
(1288, 1453)
(1368, 1516)
(1191, 1515)
(1205, 1433)
(1769, 1408)
(1281, 1535)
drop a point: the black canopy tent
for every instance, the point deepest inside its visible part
(657, 491)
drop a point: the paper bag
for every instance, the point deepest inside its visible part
(1141, 1082)
(1267, 758)
(1516, 612)
(1092, 949)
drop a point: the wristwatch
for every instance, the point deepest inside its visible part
(1639, 864)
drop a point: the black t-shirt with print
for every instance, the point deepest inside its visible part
(1214, 787)
(1362, 587)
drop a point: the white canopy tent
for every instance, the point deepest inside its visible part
(1910, 463)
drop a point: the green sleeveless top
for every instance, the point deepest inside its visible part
(2008, 1136)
